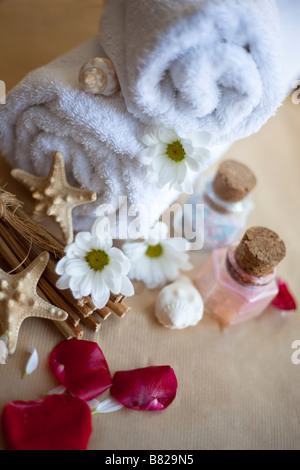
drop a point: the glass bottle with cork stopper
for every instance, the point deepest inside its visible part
(227, 205)
(238, 283)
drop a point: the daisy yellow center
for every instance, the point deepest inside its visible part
(97, 259)
(154, 251)
(175, 151)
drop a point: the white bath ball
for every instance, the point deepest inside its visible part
(179, 304)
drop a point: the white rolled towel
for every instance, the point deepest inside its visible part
(100, 139)
(289, 14)
(212, 65)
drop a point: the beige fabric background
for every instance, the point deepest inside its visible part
(238, 388)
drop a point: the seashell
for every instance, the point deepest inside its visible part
(179, 304)
(98, 77)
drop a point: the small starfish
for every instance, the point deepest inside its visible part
(19, 300)
(56, 197)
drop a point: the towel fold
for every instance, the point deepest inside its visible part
(289, 14)
(212, 65)
(100, 140)
(203, 65)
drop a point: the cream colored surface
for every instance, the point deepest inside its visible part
(238, 388)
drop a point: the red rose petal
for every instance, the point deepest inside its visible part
(284, 299)
(58, 422)
(148, 389)
(81, 367)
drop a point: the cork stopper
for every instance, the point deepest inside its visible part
(233, 181)
(259, 251)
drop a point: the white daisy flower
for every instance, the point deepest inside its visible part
(92, 266)
(172, 156)
(157, 260)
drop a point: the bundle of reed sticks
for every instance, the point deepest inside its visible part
(21, 241)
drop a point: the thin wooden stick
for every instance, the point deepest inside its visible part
(92, 323)
(67, 331)
(12, 260)
(84, 307)
(103, 312)
(64, 300)
(27, 239)
(119, 308)
(116, 298)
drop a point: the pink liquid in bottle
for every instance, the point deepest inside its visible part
(230, 293)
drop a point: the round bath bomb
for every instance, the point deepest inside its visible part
(179, 305)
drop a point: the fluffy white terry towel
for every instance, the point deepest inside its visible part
(289, 14)
(100, 140)
(209, 64)
(213, 65)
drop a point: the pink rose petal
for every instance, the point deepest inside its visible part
(81, 367)
(284, 299)
(58, 422)
(147, 389)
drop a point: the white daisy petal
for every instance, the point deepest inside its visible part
(194, 165)
(106, 406)
(134, 250)
(201, 139)
(151, 137)
(117, 254)
(63, 282)
(32, 362)
(127, 288)
(181, 173)
(167, 172)
(73, 251)
(157, 274)
(159, 149)
(59, 390)
(201, 154)
(104, 244)
(120, 267)
(101, 301)
(156, 267)
(83, 240)
(159, 231)
(170, 270)
(186, 186)
(176, 244)
(100, 293)
(3, 349)
(167, 136)
(76, 267)
(86, 285)
(113, 282)
(146, 156)
(188, 147)
(76, 294)
(115, 265)
(178, 256)
(162, 169)
(94, 277)
(60, 267)
(158, 161)
(151, 242)
(75, 283)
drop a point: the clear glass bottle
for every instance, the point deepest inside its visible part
(227, 205)
(239, 282)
